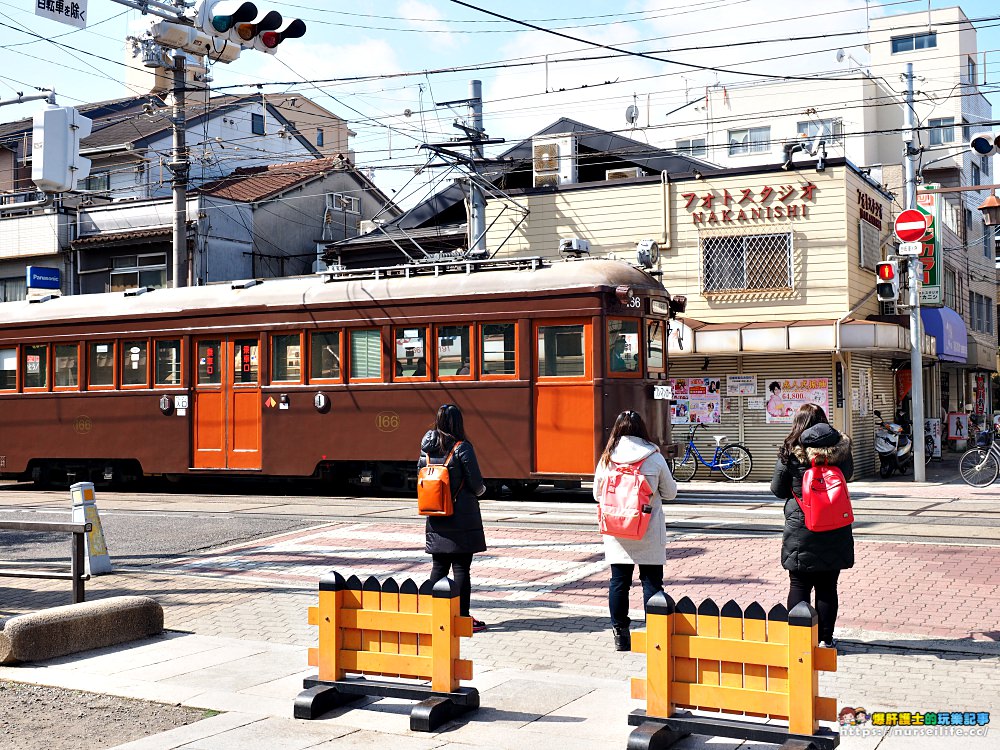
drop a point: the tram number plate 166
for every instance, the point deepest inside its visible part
(663, 392)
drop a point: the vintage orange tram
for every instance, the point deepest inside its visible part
(334, 375)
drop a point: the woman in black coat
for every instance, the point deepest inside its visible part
(453, 540)
(813, 559)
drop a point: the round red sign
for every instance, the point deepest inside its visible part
(910, 225)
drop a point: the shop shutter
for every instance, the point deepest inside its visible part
(742, 425)
(863, 424)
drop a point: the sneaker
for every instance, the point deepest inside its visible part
(478, 626)
(623, 639)
(828, 644)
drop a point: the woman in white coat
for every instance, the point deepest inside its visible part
(629, 443)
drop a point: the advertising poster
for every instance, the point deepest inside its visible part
(933, 426)
(696, 400)
(741, 385)
(785, 396)
(958, 426)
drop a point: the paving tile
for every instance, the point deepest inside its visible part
(206, 728)
(273, 734)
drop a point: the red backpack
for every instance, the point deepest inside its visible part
(623, 508)
(825, 501)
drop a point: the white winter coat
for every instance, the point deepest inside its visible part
(652, 548)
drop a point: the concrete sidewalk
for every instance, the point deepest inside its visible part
(254, 683)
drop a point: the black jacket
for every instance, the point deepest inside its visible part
(804, 551)
(461, 532)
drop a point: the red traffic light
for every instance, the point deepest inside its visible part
(887, 271)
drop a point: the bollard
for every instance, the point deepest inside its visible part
(97, 560)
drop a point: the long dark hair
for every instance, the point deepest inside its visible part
(628, 423)
(449, 425)
(808, 415)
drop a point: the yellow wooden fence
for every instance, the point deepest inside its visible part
(738, 662)
(389, 629)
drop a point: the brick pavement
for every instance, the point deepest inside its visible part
(934, 590)
(543, 592)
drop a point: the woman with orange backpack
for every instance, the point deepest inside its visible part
(452, 540)
(629, 445)
(813, 559)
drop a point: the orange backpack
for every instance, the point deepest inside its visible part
(434, 487)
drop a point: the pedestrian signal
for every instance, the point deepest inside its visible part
(887, 286)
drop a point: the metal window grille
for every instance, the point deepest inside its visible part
(746, 262)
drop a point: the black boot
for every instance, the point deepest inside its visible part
(623, 639)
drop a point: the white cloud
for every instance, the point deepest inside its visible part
(427, 18)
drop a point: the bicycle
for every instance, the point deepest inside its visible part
(732, 460)
(980, 466)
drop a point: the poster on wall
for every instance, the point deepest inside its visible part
(741, 385)
(696, 400)
(756, 403)
(958, 425)
(785, 396)
(865, 386)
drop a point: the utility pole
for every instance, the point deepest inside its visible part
(180, 166)
(910, 152)
(477, 201)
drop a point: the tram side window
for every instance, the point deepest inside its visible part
(102, 364)
(36, 366)
(561, 351)
(209, 372)
(454, 356)
(498, 348)
(168, 363)
(325, 356)
(286, 358)
(67, 366)
(134, 363)
(411, 353)
(8, 369)
(655, 339)
(623, 346)
(366, 354)
(245, 362)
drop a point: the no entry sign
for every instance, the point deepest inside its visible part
(910, 225)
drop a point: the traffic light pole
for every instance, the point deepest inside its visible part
(910, 152)
(180, 166)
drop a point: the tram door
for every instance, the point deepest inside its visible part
(227, 404)
(564, 397)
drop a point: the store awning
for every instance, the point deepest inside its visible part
(690, 336)
(948, 328)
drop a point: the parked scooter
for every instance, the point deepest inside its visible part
(894, 448)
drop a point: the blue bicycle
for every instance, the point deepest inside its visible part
(731, 459)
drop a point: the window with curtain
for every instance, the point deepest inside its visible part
(366, 354)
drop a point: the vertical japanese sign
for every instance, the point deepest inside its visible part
(70, 13)
(929, 204)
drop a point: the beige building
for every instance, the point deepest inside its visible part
(778, 270)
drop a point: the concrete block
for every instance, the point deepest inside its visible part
(59, 631)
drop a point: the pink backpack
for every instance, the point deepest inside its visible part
(623, 508)
(825, 501)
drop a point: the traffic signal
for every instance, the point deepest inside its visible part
(985, 144)
(244, 24)
(56, 164)
(887, 286)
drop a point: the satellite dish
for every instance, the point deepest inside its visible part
(632, 114)
(841, 55)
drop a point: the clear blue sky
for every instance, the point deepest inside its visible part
(387, 37)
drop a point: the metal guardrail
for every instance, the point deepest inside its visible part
(57, 571)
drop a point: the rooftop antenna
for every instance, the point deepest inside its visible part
(631, 115)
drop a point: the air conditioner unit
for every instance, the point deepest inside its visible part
(625, 173)
(553, 160)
